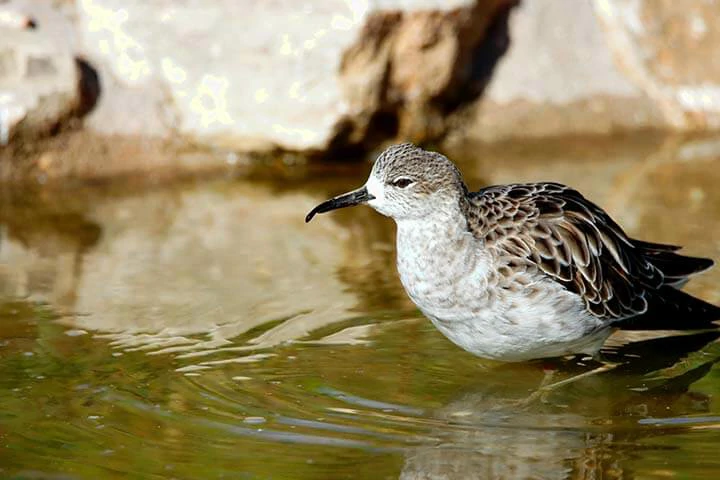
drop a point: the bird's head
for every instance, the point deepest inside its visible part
(405, 182)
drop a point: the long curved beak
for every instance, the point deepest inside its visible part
(349, 199)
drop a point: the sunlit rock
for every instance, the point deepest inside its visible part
(559, 76)
(602, 66)
(254, 75)
(257, 76)
(38, 76)
(669, 49)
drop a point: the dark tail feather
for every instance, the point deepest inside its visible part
(654, 247)
(676, 268)
(672, 309)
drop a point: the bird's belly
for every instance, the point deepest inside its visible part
(511, 325)
(492, 338)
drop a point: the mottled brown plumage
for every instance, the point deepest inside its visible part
(554, 228)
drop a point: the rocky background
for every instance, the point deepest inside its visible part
(115, 87)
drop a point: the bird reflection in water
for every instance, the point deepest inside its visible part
(588, 429)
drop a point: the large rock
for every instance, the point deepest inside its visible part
(256, 75)
(251, 75)
(600, 66)
(38, 74)
(558, 77)
(670, 50)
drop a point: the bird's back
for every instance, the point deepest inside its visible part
(574, 242)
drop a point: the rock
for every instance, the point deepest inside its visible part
(38, 73)
(558, 77)
(256, 75)
(670, 50)
(319, 77)
(601, 66)
(407, 67)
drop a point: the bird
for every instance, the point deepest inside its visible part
(522, 271)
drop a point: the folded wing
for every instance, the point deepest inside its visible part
(577, 244)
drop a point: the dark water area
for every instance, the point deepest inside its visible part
(203, 330)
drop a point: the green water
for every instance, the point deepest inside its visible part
(203, 330)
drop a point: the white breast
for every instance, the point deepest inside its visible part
(451, 278)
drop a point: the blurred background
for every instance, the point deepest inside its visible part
(166, 312)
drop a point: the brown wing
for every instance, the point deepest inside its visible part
(576, 244)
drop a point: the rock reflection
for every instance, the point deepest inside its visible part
(589, 430)
(183, 270)
(41, 251)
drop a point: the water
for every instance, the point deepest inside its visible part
(203, 330)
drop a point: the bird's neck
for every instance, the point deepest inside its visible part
(436, 230)
(439, 261)
(433, 243)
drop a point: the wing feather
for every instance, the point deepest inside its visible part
(572, 241)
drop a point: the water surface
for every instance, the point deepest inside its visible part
(203, 330)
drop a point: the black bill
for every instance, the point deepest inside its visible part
(349, 199)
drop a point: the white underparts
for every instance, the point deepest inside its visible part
(455, 282)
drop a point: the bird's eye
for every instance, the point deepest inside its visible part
(402, 182)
